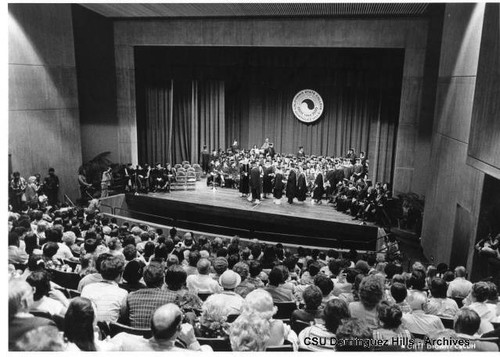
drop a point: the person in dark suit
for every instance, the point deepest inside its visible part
(278, 185)
(255, 181)
(244, 177)
(291, 184)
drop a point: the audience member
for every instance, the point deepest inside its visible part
(249, 333)
(202, 282)
(371, 292)
(334, 313)
(418, 322)
(109, 298)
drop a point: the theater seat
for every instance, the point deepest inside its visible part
(299, 325)
(64, 279)
(285, 310)
(204, 296)
(115, 328)
(282, 348)
(447, 322)
(217, 344)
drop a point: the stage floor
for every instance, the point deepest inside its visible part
(231, 198)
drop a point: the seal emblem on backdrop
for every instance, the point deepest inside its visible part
(307, 105)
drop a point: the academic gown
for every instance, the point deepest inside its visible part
(301, 187)
(244, 178)
(318, 187)
(291, 184)
(278, 186)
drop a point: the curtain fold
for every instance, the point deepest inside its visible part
(178, 118)
(355, 115)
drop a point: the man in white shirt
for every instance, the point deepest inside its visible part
(418, 321)
(202, 282)
(459, 287)
(109, 299)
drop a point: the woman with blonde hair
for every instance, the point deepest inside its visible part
(261, 302)
(250, 332)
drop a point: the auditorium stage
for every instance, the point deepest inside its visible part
(224, 212)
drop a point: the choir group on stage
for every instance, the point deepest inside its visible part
(261, 173)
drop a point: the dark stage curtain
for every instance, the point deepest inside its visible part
(155, 132)
(178, 118)
(189, 97)
(355, 115)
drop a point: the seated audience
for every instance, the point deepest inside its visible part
(325, 284)
(43, 338)
(46, 299)
(460, 287)
(399, 294)
(371, 292)
(390, 316)
(16, 254)
(229, 280)
(80, 328)
(202, 282)
(249, 333)
(418, 321)
(109, 298)
(167, 327)
(467, 325)
(93, 277)
(132, 276)
(20, 320)
(334, 313)
(355, 336)
(213, 319)
(275, 288)
(245, 286)
(175, 281)
(313, 299)
(142, 303)
(260, 302)
(438, 304)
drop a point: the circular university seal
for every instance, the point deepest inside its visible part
(307, 105)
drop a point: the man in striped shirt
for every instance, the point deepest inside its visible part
(141, 304)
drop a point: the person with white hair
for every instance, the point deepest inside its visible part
(69, 239)
(213, 319)
(260, 302)
(249, 332)
(20, 320)
(31, 191)
(418, 321)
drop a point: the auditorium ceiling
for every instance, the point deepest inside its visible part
(258, 10)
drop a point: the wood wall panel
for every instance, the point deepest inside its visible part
(44, 128)
(484, 147)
